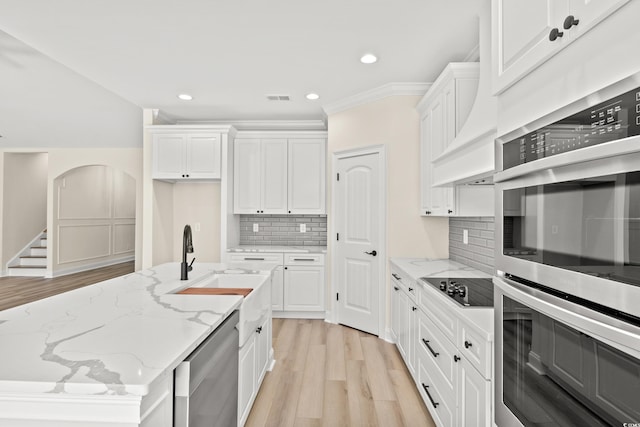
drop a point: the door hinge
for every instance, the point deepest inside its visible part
(338, 176)
(337, 296)
(337, 236)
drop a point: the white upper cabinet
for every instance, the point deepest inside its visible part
(307, 176)
(260, 176)
(443, 111)
(279, 175)
(184, 156)
(526, 33)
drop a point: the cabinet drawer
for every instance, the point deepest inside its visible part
(303, 259)
(438, 312)
(407, 284)
(257, 257)
(475, 348)
(441, 407)
(435, 347)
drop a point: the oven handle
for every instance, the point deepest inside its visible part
(621, 335)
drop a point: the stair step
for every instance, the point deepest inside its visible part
(30, 271)
(38, 251)
(33, 261)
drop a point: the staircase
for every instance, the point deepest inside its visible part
(32, 261)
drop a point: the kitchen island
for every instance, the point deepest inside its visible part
(104, 355)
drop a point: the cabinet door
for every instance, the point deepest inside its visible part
(246, 176)
(263, 346)
(274, 176)
(403, 325)
(307, 176)
(246, 378)
(203, 156)
(277, 289)
(521, 36)
(395, 310)
(304, 288)
(169, 156)
(474, 398)
(425, 163)
(449, 117)
(412, 337)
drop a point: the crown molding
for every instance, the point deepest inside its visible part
(264, 125)
(384, 91)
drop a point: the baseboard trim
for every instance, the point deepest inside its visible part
(91, 266)
(298, 315)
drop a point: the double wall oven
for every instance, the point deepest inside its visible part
(567, 290)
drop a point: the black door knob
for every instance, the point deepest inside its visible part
(555, 34)
(449, 211)
(372, 253)
(570, 21)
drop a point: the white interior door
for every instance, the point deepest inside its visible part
(358, 258)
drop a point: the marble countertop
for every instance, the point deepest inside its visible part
(111, 338)
(278, 249)
(424, 267)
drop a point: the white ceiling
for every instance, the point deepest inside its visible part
(229, 54)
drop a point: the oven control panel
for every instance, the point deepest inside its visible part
(614, 119)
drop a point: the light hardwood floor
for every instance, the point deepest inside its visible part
(331, 375)
(21, 290)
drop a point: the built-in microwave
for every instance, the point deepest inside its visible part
(567, 297)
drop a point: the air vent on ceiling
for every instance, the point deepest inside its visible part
(278, 97)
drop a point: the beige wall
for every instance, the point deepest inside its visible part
(24, 213)
(93, 218)
(393, 122)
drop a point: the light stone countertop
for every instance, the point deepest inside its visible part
(424, 267)
(114, 337)
(279, 249)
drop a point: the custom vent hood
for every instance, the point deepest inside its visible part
(469, 158)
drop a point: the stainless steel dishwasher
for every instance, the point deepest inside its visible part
(206, 383)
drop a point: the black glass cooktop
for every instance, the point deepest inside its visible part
(468, 292)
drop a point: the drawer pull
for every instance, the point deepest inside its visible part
(414, 308)
(395, 276)
(304, 259)
(467, 344)
(410, 289)
(456, 358)
(395, 288)
(426, 389)
(259, 329)
(426, 342)
(253, 259)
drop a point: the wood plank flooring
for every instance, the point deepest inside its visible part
(331, 375)
(16, 291)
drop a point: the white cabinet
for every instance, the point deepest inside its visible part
(260, 176)
(307, 172)
(443, 111)
(279, 175)
(297, 284)
(303, 288)
(253, 362)
(448, 353)
(184, 156)
(277, 289)
(521, 32)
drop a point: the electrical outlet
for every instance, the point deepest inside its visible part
(465, 237)
(255, 228)
(196, 226)
(303, 228)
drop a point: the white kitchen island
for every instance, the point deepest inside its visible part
(104, 355)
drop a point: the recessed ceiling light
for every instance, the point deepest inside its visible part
(312, 96)
(368, 58)
(185, 97)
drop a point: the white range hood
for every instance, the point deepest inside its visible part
(470, 157)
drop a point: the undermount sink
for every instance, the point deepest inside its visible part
(254, 306)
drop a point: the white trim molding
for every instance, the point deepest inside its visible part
(375, 94)
(258, 125)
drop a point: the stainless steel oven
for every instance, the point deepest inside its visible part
(567, 295)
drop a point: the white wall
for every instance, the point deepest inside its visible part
(393, 122)
(24, 213)
(93, 218)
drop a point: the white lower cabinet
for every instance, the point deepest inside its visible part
(447, 350)
(277, 289)
(303, 288)
(253, 361)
